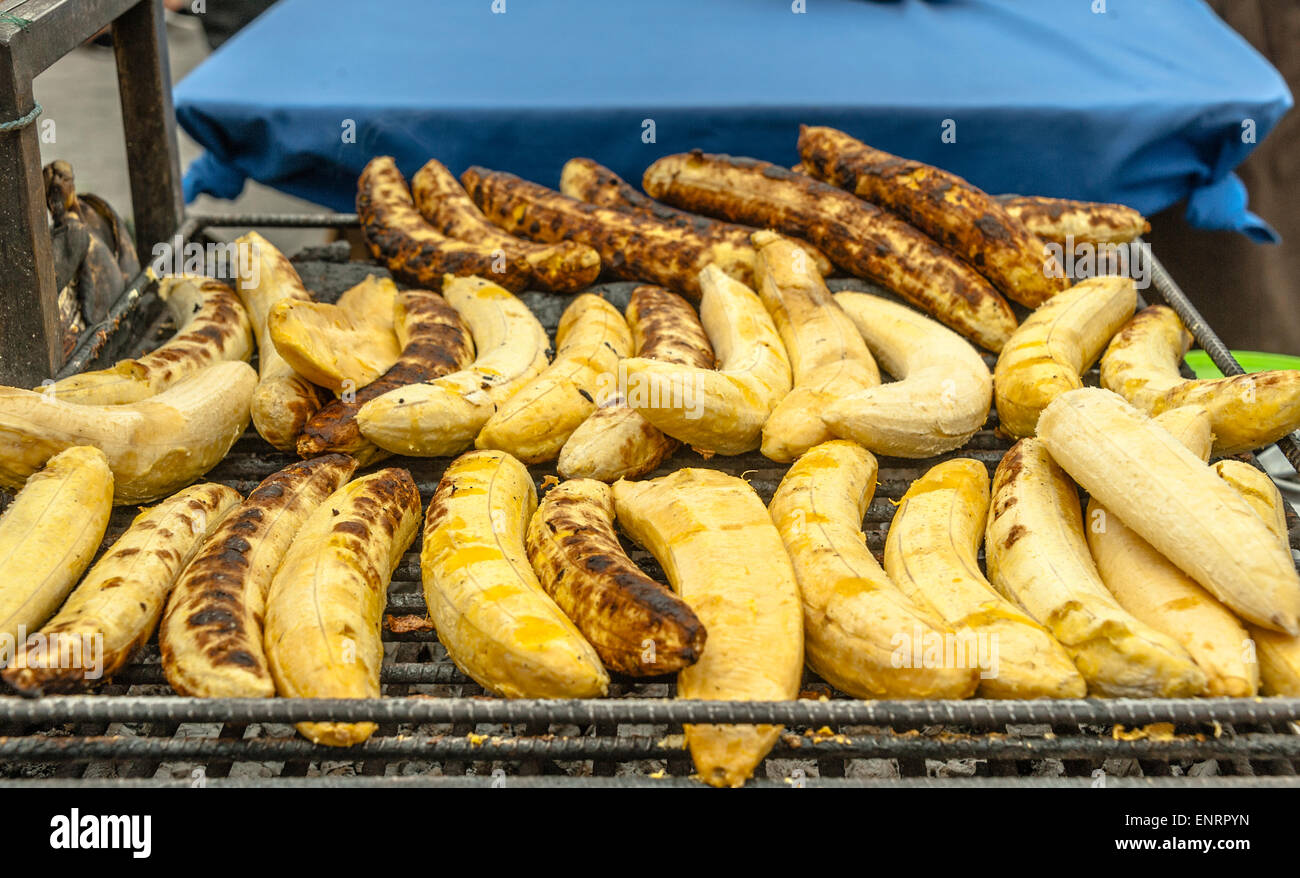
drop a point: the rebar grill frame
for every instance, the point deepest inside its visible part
(436, 722)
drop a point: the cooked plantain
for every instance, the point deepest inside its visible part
(535, 422)
(1246, 411)
(1062, 221)
(325, 606)
(492, 615)
(859, 237)
(725, 559)
(211, 326)
(47, 537)
(211, 632)
(435, 342)
(413, 250)
(562, 267)
(616, 442)
(958, 215)
(443, 416)
(637, 626)
(115, 609)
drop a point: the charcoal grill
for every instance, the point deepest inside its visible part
(437, 727)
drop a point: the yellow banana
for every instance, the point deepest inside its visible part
(719, 411)
(284, 401)
(325, 606)
(932, 553)
(47, 537)
(723, 556)
(1037, 556)
(535, 422)
(616, 442)
(211, 633)
(342, 347)
(1048, 354)
(211, 326)
(492, 615)
(1246, 411)
(442, 417)
(828, 358)
(116, 608)
(1156, 592)
(154, 447)
(861, 632)
(1175, 502)
(942, 394)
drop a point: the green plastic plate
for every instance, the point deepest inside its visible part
(1251, 361)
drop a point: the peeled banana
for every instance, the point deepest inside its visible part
(325, 606)
(116, 608)
(723, 556)
(442, 417)
(1246, 411)
(932, 554)
(637, 626)
(211, 326)
(47, 537)
(534, 423)
(491, 613)
(719, 411)
(1174, 501)
(828, 358)
(942, 394)
(1048, 354)
(1037, 556)
(154, 446)
(861, 633)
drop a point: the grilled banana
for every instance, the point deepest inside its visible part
(637, 626)
(116, 608)
(1173, 500)
(47, 537)
(1278, 654)
(1155, 591)
(325, 606)
(723, 556)
(859, 237)
(828, 358)
(1247, 411)
(413, 250)
(719, 411)
(1037, 556)
(860, 631)
(154, 447)
(1062, 221)
(535, 422)
(633, 245)
(492, 615)
(211, 326)
(1055, 345)
(932, 554)
(562, 267)
(594, 183)
(617, 442)
(435, 342)
(443, 416)
(959, 216)
(211, 632)
(284, 400)
(942, 394)
(339, 347)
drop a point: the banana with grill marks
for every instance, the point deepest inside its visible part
(1062, 221)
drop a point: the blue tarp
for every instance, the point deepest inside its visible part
(1147, 102)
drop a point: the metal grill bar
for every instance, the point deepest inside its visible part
(975, 712)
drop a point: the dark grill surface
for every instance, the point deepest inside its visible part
(437, 727)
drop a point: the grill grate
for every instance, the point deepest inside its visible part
(437, 727)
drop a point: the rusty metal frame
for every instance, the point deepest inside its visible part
(33, 35)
